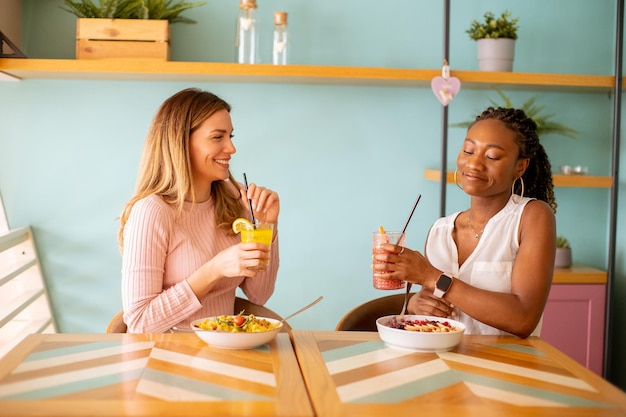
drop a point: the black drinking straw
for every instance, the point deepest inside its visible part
(245, 180)
(406, 224)
(410, 215)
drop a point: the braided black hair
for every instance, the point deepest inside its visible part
(538, 176)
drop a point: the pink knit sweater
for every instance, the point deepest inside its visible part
(162, 250)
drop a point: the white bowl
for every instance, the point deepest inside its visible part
(238, 340)
(420, 341)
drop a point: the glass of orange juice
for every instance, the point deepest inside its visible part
(259, 232)
(380, 237)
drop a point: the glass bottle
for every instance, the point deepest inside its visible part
(247, 36)
(281, 39)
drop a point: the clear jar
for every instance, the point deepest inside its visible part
(247, 36)
(281, 39)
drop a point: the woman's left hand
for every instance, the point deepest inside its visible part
(265, 202)
(425, 303)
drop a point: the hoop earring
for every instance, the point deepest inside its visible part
(455, 180)
(513, 195)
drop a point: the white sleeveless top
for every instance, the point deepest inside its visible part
(489, 266)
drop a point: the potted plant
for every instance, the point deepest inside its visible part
(132, 9)
(495, 38)
(126, 28)
(563, 257)
(536, 112)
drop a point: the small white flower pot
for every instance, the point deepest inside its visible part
(496, 54)
(563, 258)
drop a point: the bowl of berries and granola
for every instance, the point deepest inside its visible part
(420, 333)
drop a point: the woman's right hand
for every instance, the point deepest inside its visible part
(425, 303)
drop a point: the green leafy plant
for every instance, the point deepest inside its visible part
(544, 124)
(492, 28)
(561, 242)
(132, 9)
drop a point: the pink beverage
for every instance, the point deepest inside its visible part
(380, 283)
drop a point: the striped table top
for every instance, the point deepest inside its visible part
(148, 375)
(355, 373)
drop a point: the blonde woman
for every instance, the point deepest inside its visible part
(180, 259)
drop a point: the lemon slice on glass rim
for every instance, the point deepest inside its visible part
(240, 224)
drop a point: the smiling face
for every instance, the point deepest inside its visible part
(211, 147)
(488, 162)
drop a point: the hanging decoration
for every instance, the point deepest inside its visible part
(445, 87)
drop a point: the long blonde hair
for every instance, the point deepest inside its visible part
(165, 167)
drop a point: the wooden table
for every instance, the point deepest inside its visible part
(346, 374)
(355, 374)
(149, 375)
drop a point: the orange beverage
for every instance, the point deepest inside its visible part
(258, 235)
(261, 232)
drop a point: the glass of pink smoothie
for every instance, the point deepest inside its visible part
(396, 238)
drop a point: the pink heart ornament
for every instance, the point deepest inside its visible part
(445, 89)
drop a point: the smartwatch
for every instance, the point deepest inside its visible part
(442, 286)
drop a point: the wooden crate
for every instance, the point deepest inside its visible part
(122, 39)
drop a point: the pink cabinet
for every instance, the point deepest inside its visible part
(573, 322)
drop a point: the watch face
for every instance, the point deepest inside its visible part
(444, 282)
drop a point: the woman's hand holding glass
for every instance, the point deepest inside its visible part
(406, 265)
(243, 259)
(411, 266)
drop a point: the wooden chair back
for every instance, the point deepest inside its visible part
(117, 325)
(363, 317)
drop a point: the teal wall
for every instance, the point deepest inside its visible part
(344, 159)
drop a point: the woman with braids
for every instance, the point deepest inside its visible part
(491, 265)
(181, 260)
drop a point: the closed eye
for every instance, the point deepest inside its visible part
(219, 137)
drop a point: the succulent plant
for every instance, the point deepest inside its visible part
(493, 28)
(544, 124)
(561, 242)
